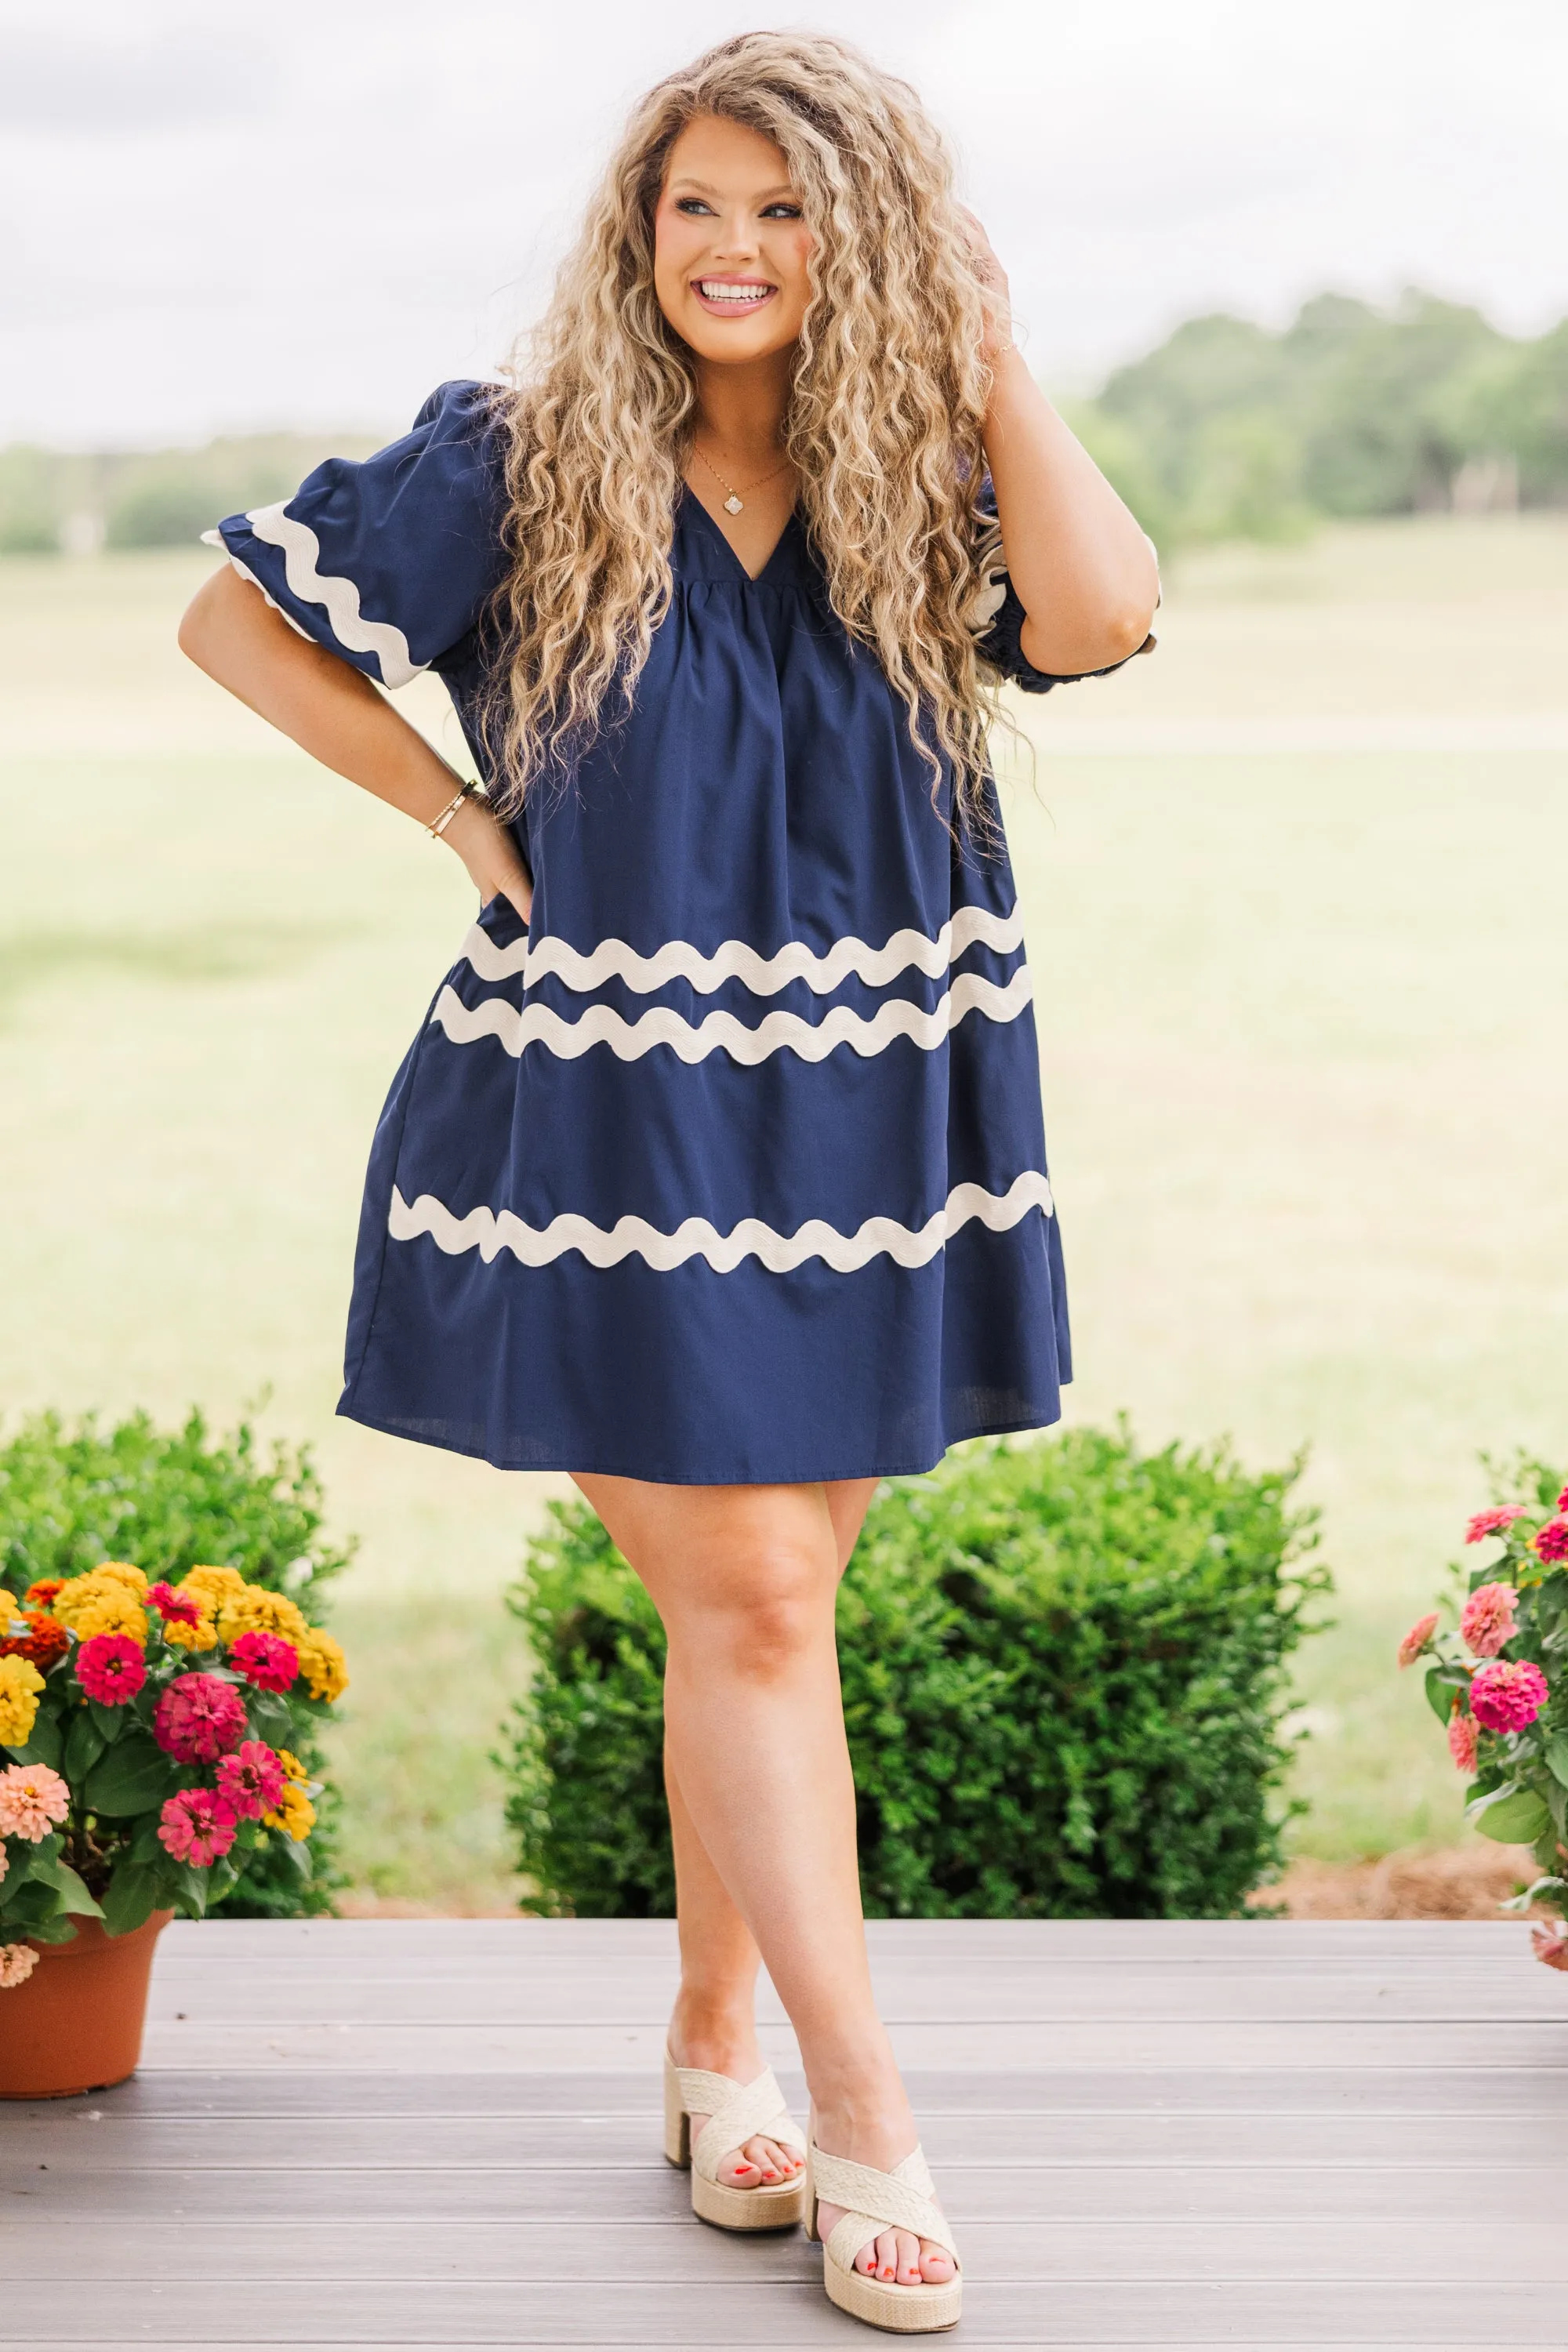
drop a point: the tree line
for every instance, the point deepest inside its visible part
(1228, 430)
(1231, 431)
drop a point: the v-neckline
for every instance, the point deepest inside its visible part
(752, 579)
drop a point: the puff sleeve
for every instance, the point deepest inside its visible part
(996, 617)
(389, 562)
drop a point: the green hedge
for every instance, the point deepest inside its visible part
(1063, 1665)
(171, 1500)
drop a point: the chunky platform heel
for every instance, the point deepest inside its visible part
(904, 2199)
(736, 2112)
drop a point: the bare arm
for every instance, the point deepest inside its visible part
(332, 711)
(1083, 570)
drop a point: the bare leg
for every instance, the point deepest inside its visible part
(745, 1579)
(714, 2020)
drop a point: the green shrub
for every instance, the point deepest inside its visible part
(1063, 1671)
(168, 1501)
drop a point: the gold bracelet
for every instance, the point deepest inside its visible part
(436, 830)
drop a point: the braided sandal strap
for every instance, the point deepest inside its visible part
(904, 2199)
(736, 2112)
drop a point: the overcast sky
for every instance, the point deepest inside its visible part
(308, 213)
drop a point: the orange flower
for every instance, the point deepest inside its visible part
(44, 1642)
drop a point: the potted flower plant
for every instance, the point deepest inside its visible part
(1498, 1684)
(149, 1730)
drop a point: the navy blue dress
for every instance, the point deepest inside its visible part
(729, 1166)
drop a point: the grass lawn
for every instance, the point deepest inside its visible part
(1300, 997)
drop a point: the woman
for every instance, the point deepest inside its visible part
(717, 1176)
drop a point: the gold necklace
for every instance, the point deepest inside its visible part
(735, 503)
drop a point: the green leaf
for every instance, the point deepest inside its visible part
(1512, 1816)
(35, 1903)
(45, 1744)
(111, 1720)
(193, 1887)
(1440, 1695)
(134, 1776)
(84, 1745)
(70, 1888)
(297, 1854)
(57, 1930)
(222, 1879)
(1557, 1757)
(271, 1719)
(131, 1898)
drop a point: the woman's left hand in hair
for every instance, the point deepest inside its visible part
(995, 292)
(1085, 573)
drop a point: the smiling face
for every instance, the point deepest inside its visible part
(730, 244)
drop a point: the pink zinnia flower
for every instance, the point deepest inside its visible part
(18, 1962)
(266, 1659)
(1507, 1694)
(175, 1608)
(1416, 1640)
(1494, 1523)
(1551, 1944)
(251, 1779)
(1486, 1621)
(32, 1800)
(1549, 1543)
(1462, 1738)
(199, 1717)
(111, 1668)
(197, 1827)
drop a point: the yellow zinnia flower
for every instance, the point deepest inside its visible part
(100, 1602)
(211, 1586)
(291, 1764)
(200, 1637)
(294, 1814)
(253, 1608)
(123, 1571)
(322, 1664)
(20, 1683)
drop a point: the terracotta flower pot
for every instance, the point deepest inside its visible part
(75, 2023)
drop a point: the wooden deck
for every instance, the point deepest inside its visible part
(445, 2133)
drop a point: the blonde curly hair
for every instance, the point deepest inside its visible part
(890, 390)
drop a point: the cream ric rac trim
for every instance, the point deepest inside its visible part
(910, 1245)
(216, 539)
(302, 548)
(763, 975)
(693, 1041)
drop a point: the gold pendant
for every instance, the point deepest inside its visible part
(732, 504)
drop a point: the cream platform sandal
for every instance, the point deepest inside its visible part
(903, 2198)
(736, 2112)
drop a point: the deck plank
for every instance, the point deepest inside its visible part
(446, 2046)
(412, 2193)
(416, 2309)
(676, 2248)
(1037, 1995)
(321, 2137)
(1478, 2091)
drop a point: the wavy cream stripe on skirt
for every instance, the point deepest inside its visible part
(491, 1232)
(763, 975)
(540, 1025)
